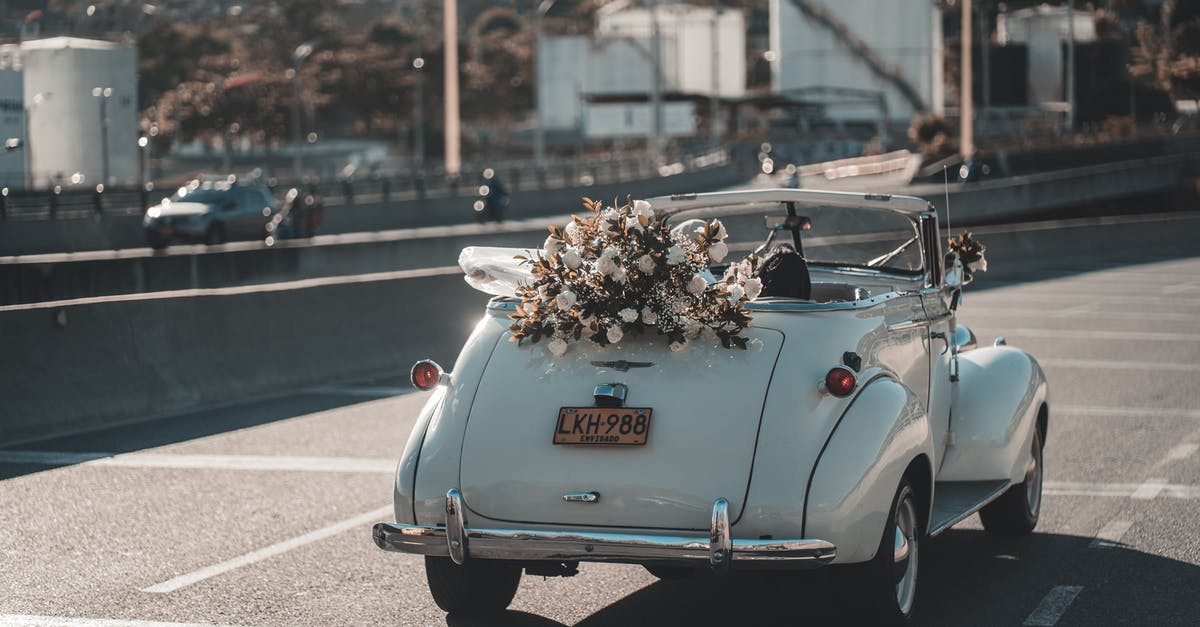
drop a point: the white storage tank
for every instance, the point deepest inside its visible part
(72, 86)
(822, 48)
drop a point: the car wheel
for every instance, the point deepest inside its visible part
(214, 235)
(889, 581)
(476, 588)
(1016, 512)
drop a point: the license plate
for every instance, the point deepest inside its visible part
(609, 426)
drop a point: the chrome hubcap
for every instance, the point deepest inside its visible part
(1033, 477)
(905, 553)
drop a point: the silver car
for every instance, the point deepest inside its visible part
(211, 212)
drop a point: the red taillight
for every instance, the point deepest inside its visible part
(425, 374)
(840, 381)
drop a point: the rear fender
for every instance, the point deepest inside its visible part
(851, 489)
(994, 413)
(440, 452)
(406, 471)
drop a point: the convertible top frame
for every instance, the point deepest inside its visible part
(910, 206)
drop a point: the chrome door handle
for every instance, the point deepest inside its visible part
(582, 497)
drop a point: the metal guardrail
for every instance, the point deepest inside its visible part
(75, 203)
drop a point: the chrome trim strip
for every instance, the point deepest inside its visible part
(719, 550)
(456, 537)
(720, 547)
(909, 324)
(905, 205)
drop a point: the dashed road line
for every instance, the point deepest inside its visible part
(1111, 534)
(278, 548)
(1182, 451)
(1149, 490)
(1108, 364)
(1053, 606)
(1124, 412)
(207, 462)
(1154, 488)
(28, 620)
(1086, 334)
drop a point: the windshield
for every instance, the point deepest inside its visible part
(206, 196)
(840, 236)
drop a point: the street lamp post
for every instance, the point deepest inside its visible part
(539, 136)
(298, 56)
(143, 143)
(103, 93)
(418, 115)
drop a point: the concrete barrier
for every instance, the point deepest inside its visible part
(94, 363)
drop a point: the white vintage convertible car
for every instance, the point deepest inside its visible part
(860, 421)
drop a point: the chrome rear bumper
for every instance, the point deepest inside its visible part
(458, 542)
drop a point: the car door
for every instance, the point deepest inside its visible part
(934, 300)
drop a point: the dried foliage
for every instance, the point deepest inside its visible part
(619, 271)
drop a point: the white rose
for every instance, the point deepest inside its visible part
(558, 347)
(605, 265)
(675, 256)
(678, 346)
(628, 314)
(645, 263)
(619, 275)
(736, 292)
(553, 245)
(615, 334)
(631, 223)
(572, 259)
(610, 251)
(572, 232)
(753, 288)
(721, 234)
(979, 265)
(606, 225)
(648, 315)
(643, 208)
(717, 251)
(696, 285)
(565, 300)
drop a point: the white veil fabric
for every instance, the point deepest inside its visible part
(496, 271)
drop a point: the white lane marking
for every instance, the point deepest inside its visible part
(27, 620)
(207, 572)
(1053, 606)
(1084, 334)
(208, 462)
(283, 286)
(1124, 412)
(1149, 490)
(1179, 287)
(1108, 364)
(1111, 534)
(350, 390)
(1142, 316)
(1182, 451)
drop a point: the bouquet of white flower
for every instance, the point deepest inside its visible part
(618, 271)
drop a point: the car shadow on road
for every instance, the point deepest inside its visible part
(15, 460)
(968, 578)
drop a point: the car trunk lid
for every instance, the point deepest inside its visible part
(706, 404)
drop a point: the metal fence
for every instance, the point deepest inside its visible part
(61, 203)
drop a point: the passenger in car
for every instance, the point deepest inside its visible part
(784, 274)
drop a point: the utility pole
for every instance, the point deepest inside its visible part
(539, 133)
(714, 100)
(966, 106)
(1070, 66)
(938, 95)
(298, 56)
(655, 143)
(418, 115)
(453, 128)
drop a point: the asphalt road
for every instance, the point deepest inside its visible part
(258, 513)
